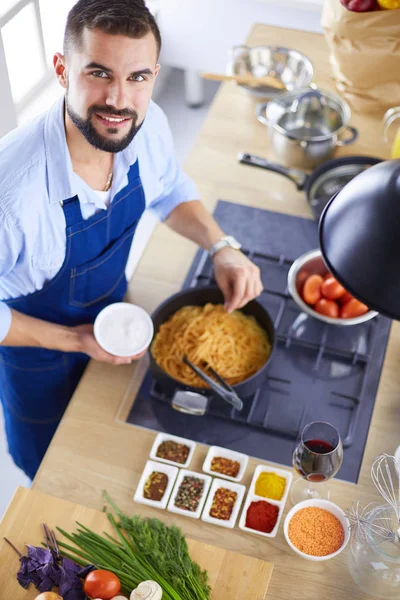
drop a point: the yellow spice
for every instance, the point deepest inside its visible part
(270, 485)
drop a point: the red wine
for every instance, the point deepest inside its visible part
(319, 446)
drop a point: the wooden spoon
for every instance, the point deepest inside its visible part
(267, 80)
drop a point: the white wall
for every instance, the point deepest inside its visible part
(8, 115)
(197, 34)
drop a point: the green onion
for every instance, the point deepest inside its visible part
(143, 549)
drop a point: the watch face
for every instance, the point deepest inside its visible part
(233, 242)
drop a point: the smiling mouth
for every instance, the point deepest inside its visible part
(113, 121)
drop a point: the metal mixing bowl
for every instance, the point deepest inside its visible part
(285, 64)
(312, 263)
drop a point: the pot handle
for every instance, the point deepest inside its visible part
(299, 178)
(261, 113)
(354, 135)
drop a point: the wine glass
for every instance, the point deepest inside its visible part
(316, 459)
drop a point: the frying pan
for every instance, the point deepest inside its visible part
(200, 297)
(323, 183)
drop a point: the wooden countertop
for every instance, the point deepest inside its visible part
(91, 451)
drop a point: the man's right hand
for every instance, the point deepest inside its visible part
(90, 347)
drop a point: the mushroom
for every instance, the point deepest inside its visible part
(147, 590)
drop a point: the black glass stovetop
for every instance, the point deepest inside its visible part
(317, 372)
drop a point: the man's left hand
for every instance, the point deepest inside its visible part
(237, 277)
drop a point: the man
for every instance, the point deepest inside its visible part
(75, 183)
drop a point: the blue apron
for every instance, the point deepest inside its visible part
(36, 384)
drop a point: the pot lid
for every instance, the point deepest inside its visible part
(360, 237)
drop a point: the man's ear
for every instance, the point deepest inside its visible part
(60, 69)
(157, 69)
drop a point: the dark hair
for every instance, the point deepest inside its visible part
(127, 17)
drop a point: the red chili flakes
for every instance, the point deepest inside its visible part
(155, 486)
(173, 451)
(189, 493)
(222, 504)
(225, 466)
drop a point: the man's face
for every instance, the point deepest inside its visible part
(109, 83)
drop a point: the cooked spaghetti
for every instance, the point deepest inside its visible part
(233, 344)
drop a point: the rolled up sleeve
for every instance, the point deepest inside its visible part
(10, 248)
(176, 185)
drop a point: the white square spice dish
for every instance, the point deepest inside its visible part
(194, 514)
(166, 437)
(239, 489)
(242, 522)
(269, 469)
(218, 451)
(150, 468)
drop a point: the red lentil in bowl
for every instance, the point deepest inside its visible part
(317, 529)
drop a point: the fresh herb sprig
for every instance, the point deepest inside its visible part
(142, 549)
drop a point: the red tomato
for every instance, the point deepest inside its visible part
(101, 584)
(345, 298)
(301, 279)
(329, 308)
(332, 289)
(312, 289)
(353, 308)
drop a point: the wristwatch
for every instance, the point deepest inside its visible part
(228, 241)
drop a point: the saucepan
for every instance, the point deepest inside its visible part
(306, 126)
(200, 297)
(323, 183)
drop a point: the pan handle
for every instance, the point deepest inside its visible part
(229, 395)
(299, 178)
(353, 136)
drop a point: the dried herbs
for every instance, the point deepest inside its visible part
(155, 486)
(225, 466)
(223, 503)
(189, 493)
(173, 451)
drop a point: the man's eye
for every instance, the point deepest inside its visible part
(101, 74)
(138, 78)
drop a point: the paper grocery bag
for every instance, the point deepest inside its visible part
(364, 55)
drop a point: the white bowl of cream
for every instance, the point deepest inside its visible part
(123, 329)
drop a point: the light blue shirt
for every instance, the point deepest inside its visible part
(36, 175)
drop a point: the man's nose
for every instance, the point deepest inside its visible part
(116, 95)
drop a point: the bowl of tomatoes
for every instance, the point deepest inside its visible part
(320, 295)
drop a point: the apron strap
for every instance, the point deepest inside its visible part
(72, 211)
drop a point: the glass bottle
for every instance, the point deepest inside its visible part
(392, 115)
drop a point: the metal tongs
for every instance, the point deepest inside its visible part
(225, 391)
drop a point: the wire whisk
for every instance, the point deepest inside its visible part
(367, 523)
(385, 472)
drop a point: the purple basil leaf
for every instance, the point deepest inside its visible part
(85, 570)
(67, 579)
(36, 579)
(70, 565)
(41, 555)
(74, 593)
(46, 584)
(23, 574)
(54, 572)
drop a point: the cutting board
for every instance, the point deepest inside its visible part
(232, 576)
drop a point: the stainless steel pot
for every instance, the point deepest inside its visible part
(305, 126)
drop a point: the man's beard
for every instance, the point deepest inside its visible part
(93, 137)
